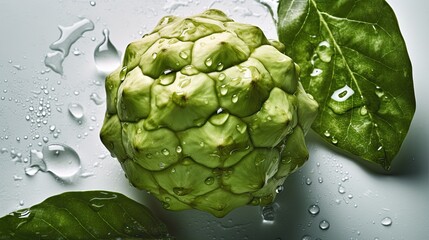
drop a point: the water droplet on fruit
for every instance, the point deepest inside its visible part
(180, 191)
(183, 55)
(279, 188)
(234, 98)
(179, 149)
(165, 152)
(208, 62)
(92, 3)
(106, 56)
(221, 77)
(209, 181)
(223, 90)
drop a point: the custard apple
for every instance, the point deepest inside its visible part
(207, 113)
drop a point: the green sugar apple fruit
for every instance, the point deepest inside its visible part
(206, 113)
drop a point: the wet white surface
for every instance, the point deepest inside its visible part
(352, 197)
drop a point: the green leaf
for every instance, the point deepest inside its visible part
(355, 63)
(83, 215)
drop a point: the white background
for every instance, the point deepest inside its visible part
(29, 27)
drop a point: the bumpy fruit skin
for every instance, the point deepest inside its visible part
(206, 113)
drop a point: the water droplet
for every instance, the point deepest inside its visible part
(268, 213)
(70, 35)
(324, 225)
(31, 171)
(165, 152)
(25, 214)
(76, 110)
(306, 237)
(234, 98)
(241, 128)
(17, 178)
(387, 221)
(320, 179)
(209, 181)
(363, 111)
(183, 55)
(86, 174)
(314, 209)
(61, 160)
(327, 133)
(279, 188)
(18, 67)
(221, 77)
(350, 196)
(179, 149)
(106, 56)
(334, 141)
(54, 61)
(341, 189)
(219, 67)
(92, 3)
(316, 72)
(324, 51)
(180, 191)
(208, 62)
(223, 90)
(342, 94)
(161, 165)
(96, 98)
(379, 91)
(308, 181)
